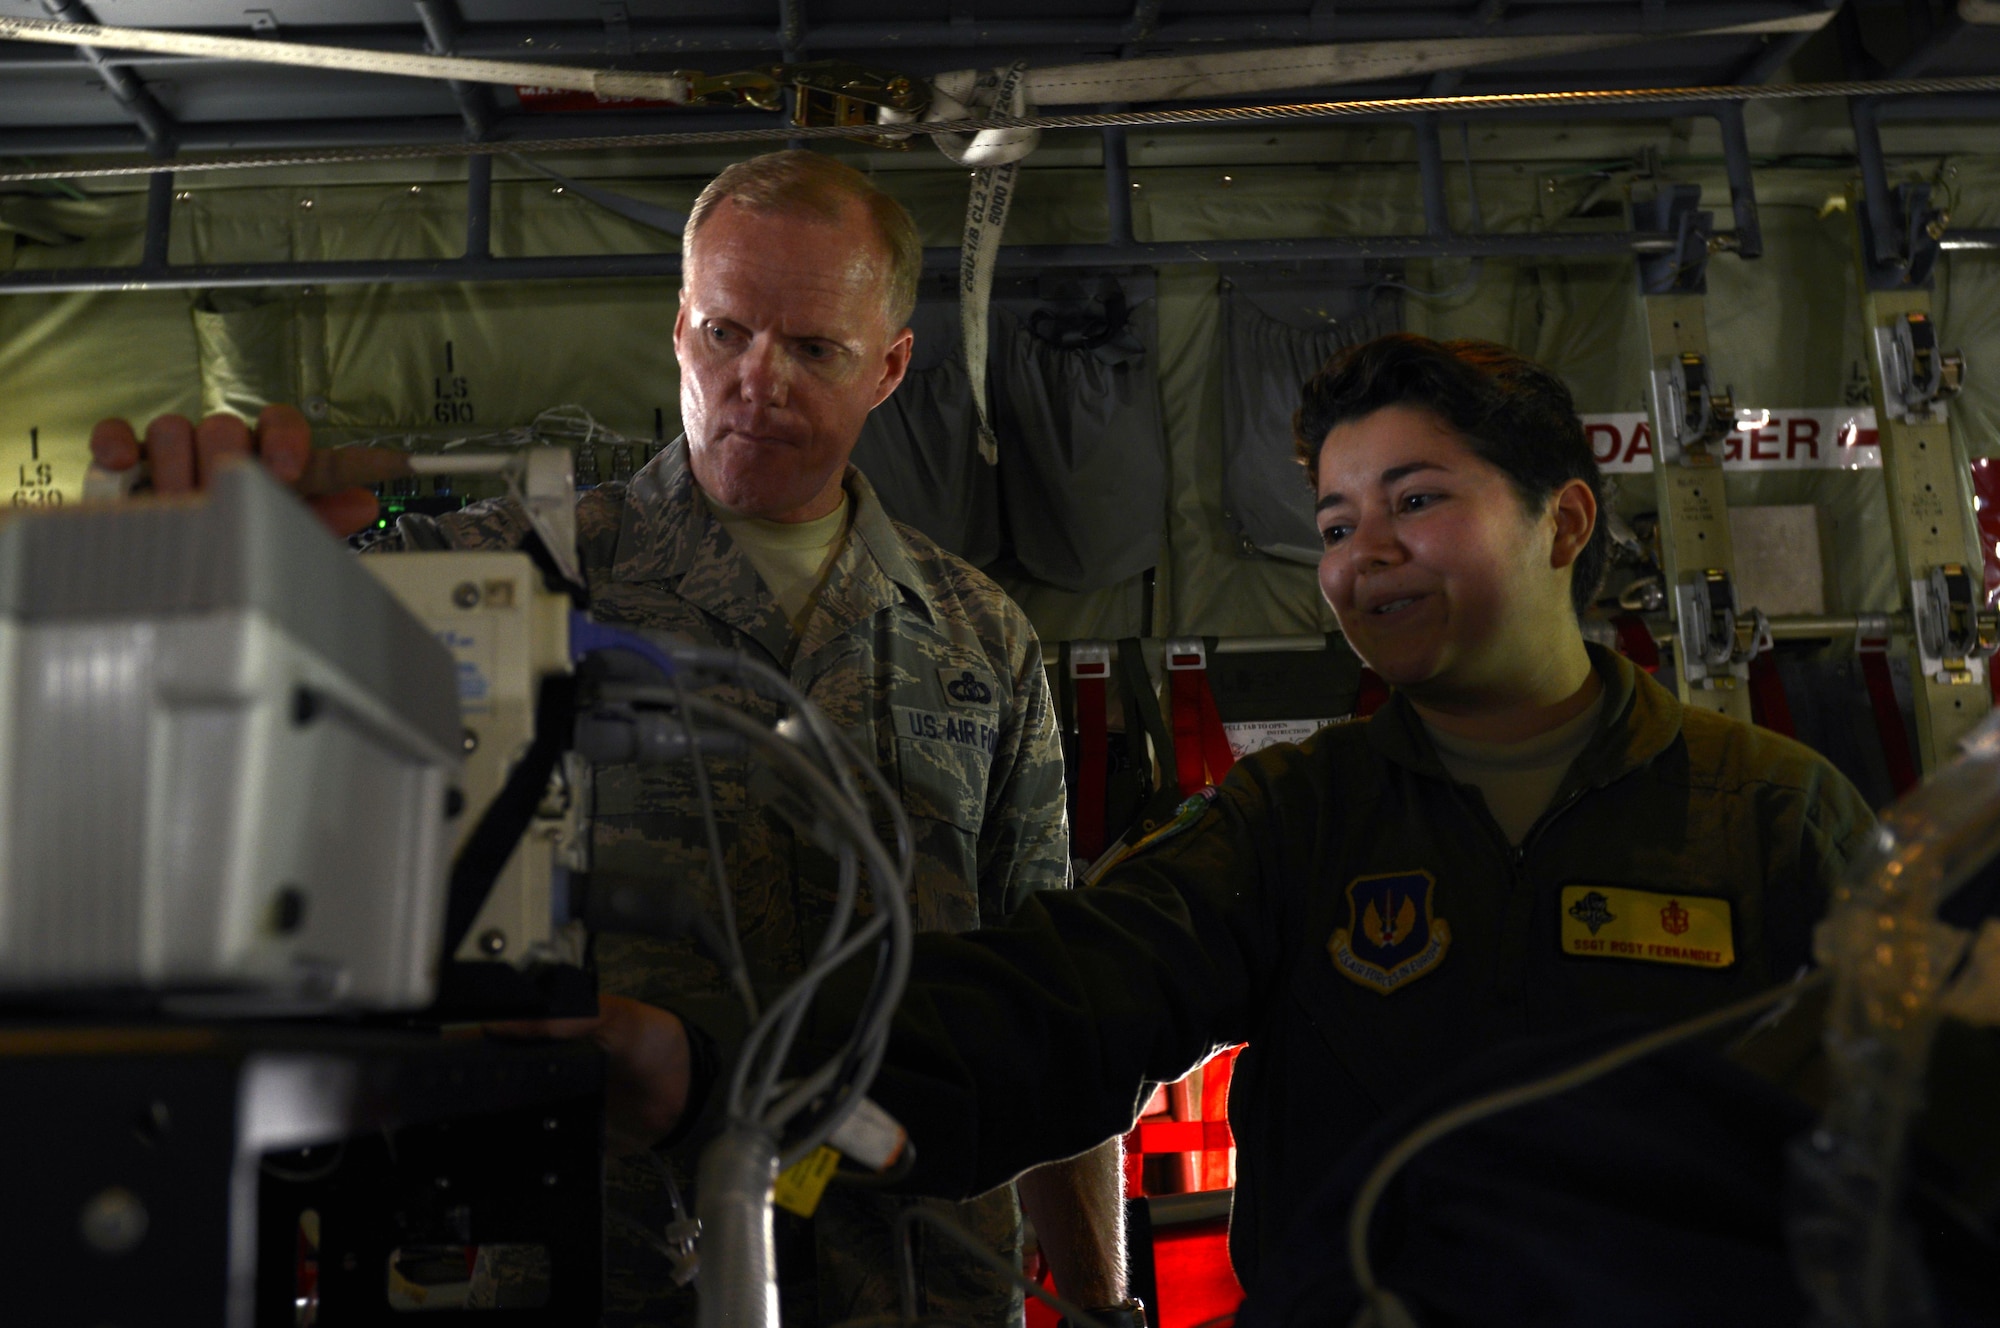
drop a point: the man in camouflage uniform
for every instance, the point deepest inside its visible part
(906, 645)
(800, 277)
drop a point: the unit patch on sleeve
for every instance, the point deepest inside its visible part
(1391, 936)
(1610, 922)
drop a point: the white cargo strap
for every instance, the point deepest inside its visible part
(985, 219)
(1239, 73)
(1160, 78)
(607, 83)
(1211, 74)
(967, 93)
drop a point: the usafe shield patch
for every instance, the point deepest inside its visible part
(1391, 937)
(1610, 922)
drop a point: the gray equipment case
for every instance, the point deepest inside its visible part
(225, 754)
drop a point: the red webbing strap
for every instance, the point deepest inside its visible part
(1201, 745)
(1874, 652)
(1636, 643)
(1180, 1161)
(1372, 694)
(1215, 746)
(1156, 1136)
(1089, 667)
(1768, 705)
(1135, 1153)
(1215, 1168)
(1986, 506)
(1187, 733)
(1135, 1165)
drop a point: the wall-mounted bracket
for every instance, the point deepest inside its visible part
(1715, 635)
(1901, 234)
(1715, 639)
(1930, 512)
(1683, 269)
(1694, 415)
(1954, 635)
(1918, 377)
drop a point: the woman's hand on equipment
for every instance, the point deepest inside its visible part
(646, 1085)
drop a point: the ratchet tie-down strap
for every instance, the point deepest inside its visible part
(996, 154)
(1202, 753)
(1089, 668)
(1872, 645)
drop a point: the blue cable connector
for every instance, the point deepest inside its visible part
(588, 637)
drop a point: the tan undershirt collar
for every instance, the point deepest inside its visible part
(1518, 779)
(792, 557)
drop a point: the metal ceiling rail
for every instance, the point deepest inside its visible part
(1121, 250)
(155, 275)
(539, 131)
(73, 27)
(679, 38)
(152, 118)
(1685, 101)
(1976, 96)
(441, 33)
(586, 267)
(363, 137)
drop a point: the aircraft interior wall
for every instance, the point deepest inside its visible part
(442, 361)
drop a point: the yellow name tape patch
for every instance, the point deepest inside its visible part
(1608, 922)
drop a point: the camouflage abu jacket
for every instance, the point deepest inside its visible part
(922, 660)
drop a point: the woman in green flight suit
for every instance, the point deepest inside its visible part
(1530, 836)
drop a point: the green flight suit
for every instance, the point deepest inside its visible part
(933, 669)
(1274, 916)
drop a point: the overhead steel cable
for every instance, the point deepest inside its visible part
(1179, 117)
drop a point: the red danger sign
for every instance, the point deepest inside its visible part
(1841, 438)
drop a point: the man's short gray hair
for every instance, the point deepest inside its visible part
(798, 183)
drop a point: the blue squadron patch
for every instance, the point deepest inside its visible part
(1391, 937)
(1593, 911)
(965, 687)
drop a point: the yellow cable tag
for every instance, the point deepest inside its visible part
(801, 1184)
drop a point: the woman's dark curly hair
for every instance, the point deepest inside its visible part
(1514, 414)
